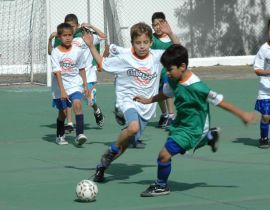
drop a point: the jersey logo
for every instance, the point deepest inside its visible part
(67, 65)
(142, 75)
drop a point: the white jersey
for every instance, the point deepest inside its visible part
(68, 63)
(90, 69)
(135, 77)
(262, 61)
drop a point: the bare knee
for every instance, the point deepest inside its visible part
(77, 107)
(164, 155)
(265, 118)
(133, 128)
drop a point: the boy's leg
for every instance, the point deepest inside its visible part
(69, 127)
(164, 115)
(77, 106)
(264, 130)
(135, 141)
(169, 104)
(160, 187)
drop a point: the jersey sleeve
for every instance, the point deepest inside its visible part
(113, 64)
(214, 97)
(55, 62)
(116, 50)
(259, 60)
(81, 60)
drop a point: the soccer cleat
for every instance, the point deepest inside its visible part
(162, 121)
(155, 190)
(213, 142)
(99, 175)
(61, 140)
(69, 129)
(99, 118)
(263, 143)
(80, 139)
(119, 116)
(167, 124)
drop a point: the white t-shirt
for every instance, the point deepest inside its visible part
(68, 63)
(90, 69)
(262, 61)
(135, 77)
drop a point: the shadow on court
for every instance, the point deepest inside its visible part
(247, 141)
(87, 126)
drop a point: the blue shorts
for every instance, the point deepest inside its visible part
(63, 104)
(173, 148)
(133, 115)
(263, 106)
(91, 99)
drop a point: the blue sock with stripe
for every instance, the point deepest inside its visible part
(264, 129)
(164, 170)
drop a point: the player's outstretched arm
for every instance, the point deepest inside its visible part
(98, 31)
(166, 28)
(246, 117)
(156, 98)
(88, 39)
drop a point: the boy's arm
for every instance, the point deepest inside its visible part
(83, 75)
(166, 28)
(50, 47)
(246, 117)
(156, 98)
(88, 39)
(98, 31)
(58, 76)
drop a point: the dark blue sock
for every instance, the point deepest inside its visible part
(264, 129)
(60, 128)
(164, 170)
(79, 124)
(115, 149)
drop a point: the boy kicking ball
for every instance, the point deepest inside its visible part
(190, 129)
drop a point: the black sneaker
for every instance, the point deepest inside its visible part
(99, 119)
(263, 143)
(167, 123)
(99, 175)
(162, 121)
(213, 143)
(155, 190)
(119, 116)
(69, 129)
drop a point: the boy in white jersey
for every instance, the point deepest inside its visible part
(190, 129)
(162, 41)
(262, 69)
(90, 65)
(68, 68)
(138, 72)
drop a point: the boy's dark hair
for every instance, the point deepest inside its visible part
(139, 29)
(158, 15)
(175, 55)
(61, 27)
(71, 18)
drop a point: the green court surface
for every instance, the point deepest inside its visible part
(37, 174)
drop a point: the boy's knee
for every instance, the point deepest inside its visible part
(265, 118)
(164, 156)
(77, 106)
(133, 128)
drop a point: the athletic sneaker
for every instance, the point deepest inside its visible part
(99, 175)
(69, 129)
(162, 121)
(99, 118)
(263, 143)
(80, 139)
(213, 143)
(155, 190)
(61, 140)
(168, 123)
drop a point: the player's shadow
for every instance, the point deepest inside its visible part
(181, 186)
(87, 126)
(118, 171)
(247, 141)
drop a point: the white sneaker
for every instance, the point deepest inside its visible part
(61, 140)
(80, 139)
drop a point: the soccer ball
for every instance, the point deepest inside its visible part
(86, 190)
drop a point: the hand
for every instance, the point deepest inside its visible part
(165, 27)
(86, 25)
(249, 117)
(142, 100)
(88, 39)
(53, 34)
(86, 91)
(64, 95)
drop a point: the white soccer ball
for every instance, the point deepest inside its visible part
(86, 190)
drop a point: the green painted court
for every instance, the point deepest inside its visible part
(37, 174)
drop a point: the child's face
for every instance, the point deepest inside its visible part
(141, 45)
(176, 73)
(66, 37)
(156, 26)
(74, 26)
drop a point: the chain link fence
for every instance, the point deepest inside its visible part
(208, 28)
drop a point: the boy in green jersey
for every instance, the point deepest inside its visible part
(191, 127)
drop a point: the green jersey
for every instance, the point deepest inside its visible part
(192, 105)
